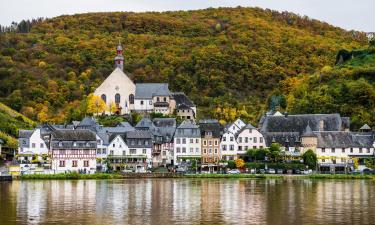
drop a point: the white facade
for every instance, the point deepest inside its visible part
(250, 139)
(74, 160)
(118, 147)
(143, 105)
(228, 146)
(101, 149)
(185, 147)
(37, 146)
(117, 83)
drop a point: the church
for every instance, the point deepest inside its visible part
(129, 97)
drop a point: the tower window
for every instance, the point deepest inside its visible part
(131, 99)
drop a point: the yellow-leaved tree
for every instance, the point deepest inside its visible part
(240, 163)
(95, 104)
(112, 107)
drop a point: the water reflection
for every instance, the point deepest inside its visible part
(187, 201)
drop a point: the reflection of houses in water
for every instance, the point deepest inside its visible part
(186, 200)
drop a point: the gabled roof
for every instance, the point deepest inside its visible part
(343, 139)
(25, 133)
(125, 124)
(298, 123)
(165, 122)
(73, 135)
(365, 127)
(139, 134)
(182, 100)
(187, 124)
(144, 123)
(215, 127)
(149, 90)
(87, 122)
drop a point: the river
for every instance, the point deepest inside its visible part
(188, 201)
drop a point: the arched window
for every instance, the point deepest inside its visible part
(104, 98)
(117, 98)
(131, 99)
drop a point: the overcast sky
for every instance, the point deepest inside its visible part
(348, 14)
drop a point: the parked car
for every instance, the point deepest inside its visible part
(280, 171)
(180, 170)
(127, 171)
(235, 171)
(253, 171)
(262, 171)
(271, 171)
(297, 171)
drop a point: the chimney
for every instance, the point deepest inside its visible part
(321, 125)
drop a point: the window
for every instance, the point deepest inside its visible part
(323, 150)
(204, 150)
(197, 141)
(123, 152)
(239, 148)
(224, 139)
(360, 150)
(98, 151)
(183, 150)
(141, 102)
(210, 143)
(131, 99)
(157, 99)
(60, 144)
(343, 150)
(254, 147)
(191, 140)
(104, 98)
(196, 150)
(191, 150)
(114, 145)
(261, 140)
(351, 150)
(86, 163)
(204, 142)
(74, 144)
(33, 145)
(117, 98)
(183, 140)
(333, 150)
(231, 147)
(41, 145)
(231, 138)
(246, 139)
(210, 150)
(144, 151)
(61, 163)
(104, 151)
(178, 150)
(240, 140)
(133, 151)
(224, 147)
(178, 141)
(215, 150)
(323, 160)
(132, 142)
(216, 143)
(255, 140)
(368, 150)
(111, 152)
(165, 99)
(75, 164)
(88, 144)
(139, 142)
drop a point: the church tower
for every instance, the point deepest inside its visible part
(119, 59)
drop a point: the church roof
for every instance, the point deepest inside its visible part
(149, 90)
(182, 100)
(343, 139)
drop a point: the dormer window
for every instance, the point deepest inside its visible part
(74, 144)
(60, 144)
(88, 144)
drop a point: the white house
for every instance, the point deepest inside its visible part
(153, 97)
(31, 142)
(187, 143)
(229, 145)
(249, 138)
(73, 150)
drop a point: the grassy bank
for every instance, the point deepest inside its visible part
(70, 176)
(233, 176)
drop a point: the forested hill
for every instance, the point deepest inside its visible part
(228, 60)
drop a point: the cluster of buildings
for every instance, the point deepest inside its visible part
(86, 146)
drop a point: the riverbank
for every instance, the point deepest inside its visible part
(98, 176)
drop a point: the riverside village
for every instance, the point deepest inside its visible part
(169, 138)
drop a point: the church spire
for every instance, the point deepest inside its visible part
(119, 59)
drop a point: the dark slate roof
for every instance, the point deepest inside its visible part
(298, 123)
(215, 127)
(113, 136)
(104, 137)
(118, 129)
(308, 132)
(343, 139)
(124, 124)
(25, 133)
(73, 135)
(138, 134)
(283, 138)
(63, 126)
(165, 122)
(87, 122)
(149, 90)
(144, 123)
(188, 129)
(182, 100)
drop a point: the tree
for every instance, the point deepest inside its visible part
(231, 164)
(370, 163)
(274, 152)
(95, 104)
(112, 107)
(310, 159)
(240, 163)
